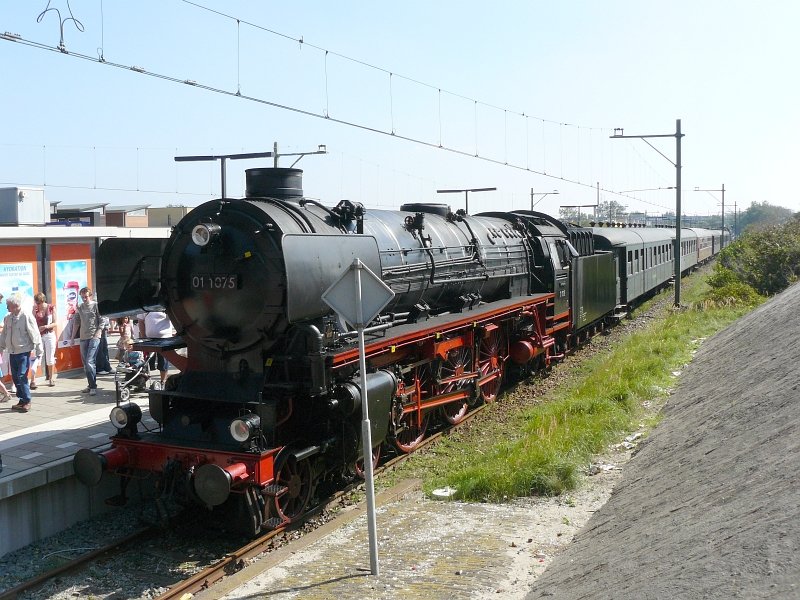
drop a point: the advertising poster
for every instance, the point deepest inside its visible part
(71, 276)
(16, 277)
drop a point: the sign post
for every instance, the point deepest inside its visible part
(358, 296)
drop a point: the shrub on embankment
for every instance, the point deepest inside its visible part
(763, 261)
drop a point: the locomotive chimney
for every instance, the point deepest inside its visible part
(280, 183)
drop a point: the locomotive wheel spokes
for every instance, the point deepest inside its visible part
(491, 361)
(295, 477)
(412, 431)
(457, 363)
(376, 457)
(410, 427)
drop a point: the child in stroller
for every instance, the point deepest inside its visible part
(133, 372)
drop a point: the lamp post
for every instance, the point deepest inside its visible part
(466, 194)
(619, 133)
(722, 238)
(542, 194)
(321, 149)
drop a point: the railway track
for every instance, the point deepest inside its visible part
(235, 561)
(78, 563)
(231, 560)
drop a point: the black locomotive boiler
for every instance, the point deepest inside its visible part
(265, 413)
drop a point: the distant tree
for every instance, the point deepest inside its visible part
(611, 210)
(568, 215)
(762, 214)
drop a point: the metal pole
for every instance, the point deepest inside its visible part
(223, 178)
(678, 214)
(722, 239)
(366, 429)
(275, 154)
(466, 201)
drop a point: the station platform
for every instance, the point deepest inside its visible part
(39, 494)
(61, 421)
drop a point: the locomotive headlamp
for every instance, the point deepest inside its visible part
(243, 428)
(205, 233)
(125, 417)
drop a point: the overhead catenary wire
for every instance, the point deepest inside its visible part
(504, 161)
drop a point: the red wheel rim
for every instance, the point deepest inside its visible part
(410, 428)
(376, 457)
(296, 478)
(491, 359)
(457, 363)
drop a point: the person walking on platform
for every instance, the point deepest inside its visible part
(87, 326)
(21, 337)
(46, 320)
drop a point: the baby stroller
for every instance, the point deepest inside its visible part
(132, 374)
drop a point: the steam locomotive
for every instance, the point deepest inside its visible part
(265, 413)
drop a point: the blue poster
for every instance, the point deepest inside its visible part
(16, 277)
(71, 276)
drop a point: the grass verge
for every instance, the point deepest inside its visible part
(544, 447)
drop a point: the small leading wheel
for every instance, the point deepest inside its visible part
(376, 457)
(155, 386)
(124, 394)
(295, 478)
(491, 363)
(410, 432)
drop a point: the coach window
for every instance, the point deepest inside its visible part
(630, 262)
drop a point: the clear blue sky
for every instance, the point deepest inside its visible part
(91, 132)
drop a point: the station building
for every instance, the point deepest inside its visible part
(52, 248)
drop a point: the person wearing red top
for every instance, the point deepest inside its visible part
(46, 320)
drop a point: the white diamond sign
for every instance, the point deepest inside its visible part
(358, 306)
(358, 296)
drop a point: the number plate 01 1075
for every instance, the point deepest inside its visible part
(215, 281)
